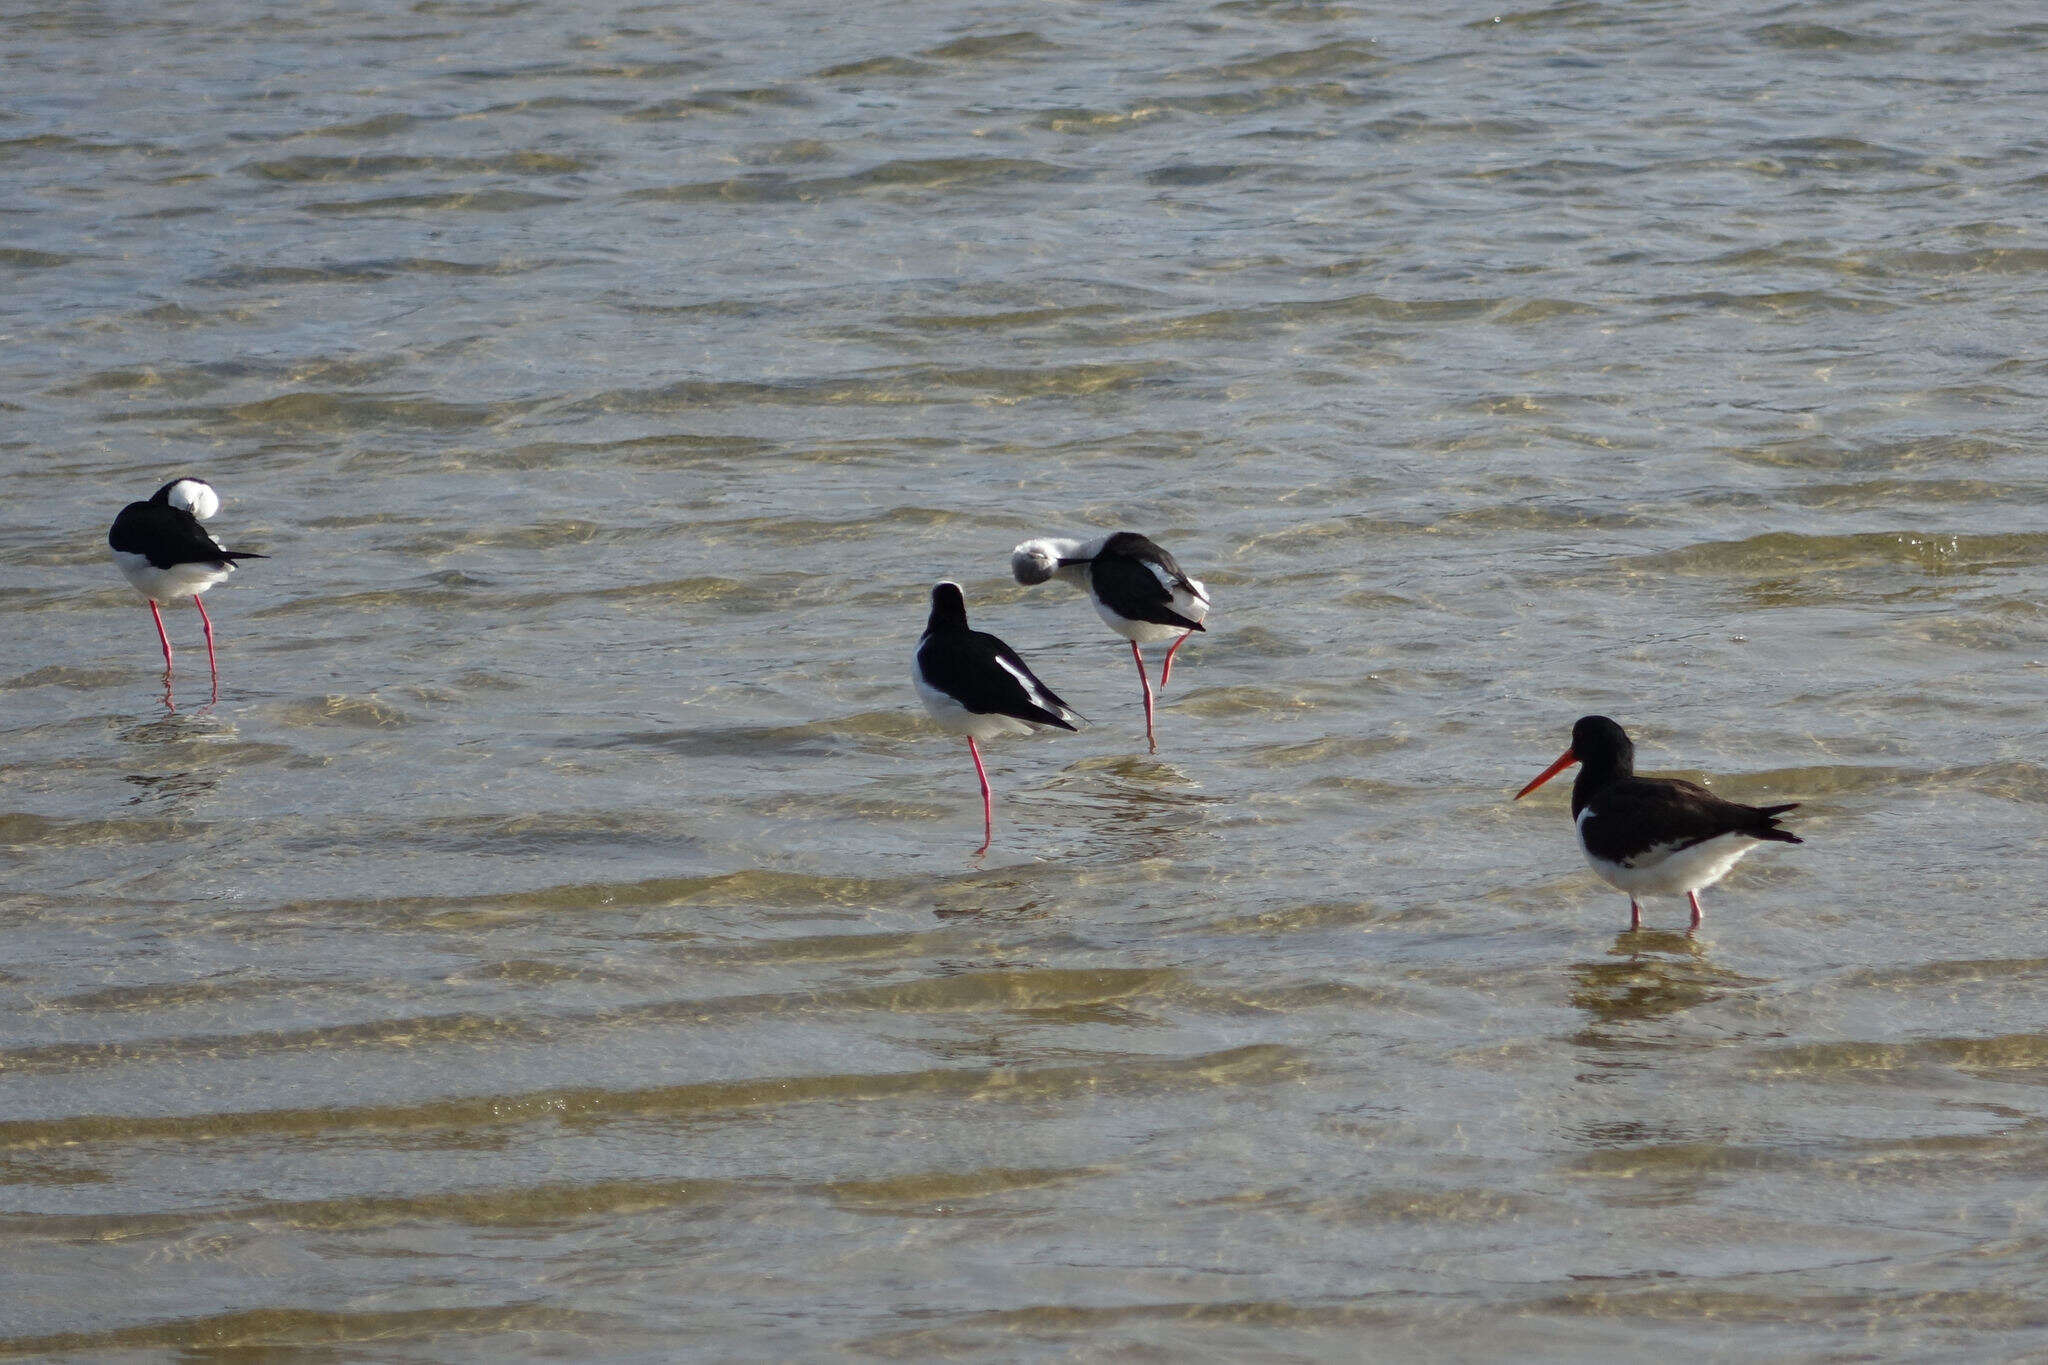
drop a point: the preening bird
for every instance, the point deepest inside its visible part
(1654, 835)
(975, 685)
(166, 554)
(1139, 590)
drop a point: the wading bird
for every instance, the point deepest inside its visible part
(1654, 835)
(975, 685)
(164, 551)
(1138, 589)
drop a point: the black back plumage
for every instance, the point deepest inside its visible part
(968, 666)
(1639, 813)
(1122, 577)
(168, 536)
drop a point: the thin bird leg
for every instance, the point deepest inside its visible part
(1635, 915)
(988, 810)
(1166, 669)
(1697, 913)
(161, 635)
(207, 622)
(1146, 683)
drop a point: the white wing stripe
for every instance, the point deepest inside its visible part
(1031, 688)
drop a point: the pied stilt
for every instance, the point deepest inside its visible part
(975, 685)
(1138, 589)
(164, 551)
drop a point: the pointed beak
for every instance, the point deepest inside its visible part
(1565, 760)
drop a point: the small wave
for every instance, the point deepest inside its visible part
(1788, 552)
(465, 201)
(304, 411)
(1327, 59)
(983, 47)
(22, 258)
(1822, 38)
(1255, 1065)
(934, 173)
(721, 102)
(359, 168)
(524, 1326)
(355, 272)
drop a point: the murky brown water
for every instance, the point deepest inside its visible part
(561, 940)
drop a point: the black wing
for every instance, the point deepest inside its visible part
(168, 536)
(1125, 581)
(968, 667)
(1637, 814)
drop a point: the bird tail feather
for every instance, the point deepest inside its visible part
(1767, 824)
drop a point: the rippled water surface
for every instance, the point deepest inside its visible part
(561, 940)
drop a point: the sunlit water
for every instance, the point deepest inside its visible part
(561, 939)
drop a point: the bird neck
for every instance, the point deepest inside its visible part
(1073, 558)
(946, 618)
(1597, 773)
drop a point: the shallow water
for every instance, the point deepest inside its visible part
(561, 939)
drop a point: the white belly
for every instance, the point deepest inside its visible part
(956, 719)
(166, 585)
(1662, 871)
(1151, 632)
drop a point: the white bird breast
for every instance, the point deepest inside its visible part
(1662, 870)
(956, 719)
(167, 585)
(1194, 606)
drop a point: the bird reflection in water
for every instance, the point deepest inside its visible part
(183, 743)
(169, 786)
(1649, 975)
(1135, 807)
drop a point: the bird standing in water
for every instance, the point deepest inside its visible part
(975, 685)
(1138, 589)
(166, 554)
(1654, 835)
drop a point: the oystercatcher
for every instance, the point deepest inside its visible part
(975, 685)
(1654, 835)
(1138, 589)
(164, 551)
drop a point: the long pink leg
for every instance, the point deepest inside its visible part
(988, 809)
(1166, 669)
(1697, 913)
(160, 633)
(207, 622)
(1146, 683)
(1635, 914)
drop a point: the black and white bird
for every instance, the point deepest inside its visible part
(166, 554)
(1654, 835)
(1138, 589)
(975, 685)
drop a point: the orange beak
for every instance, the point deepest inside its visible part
(1565, 760)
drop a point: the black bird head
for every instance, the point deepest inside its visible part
(1601, 745)
(949, 608)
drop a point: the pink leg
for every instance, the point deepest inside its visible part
(207, 622)
(1166, 669)
(988, 809)
(1635, 914)
(1697, 913)
(1146, 683)
(160, 635)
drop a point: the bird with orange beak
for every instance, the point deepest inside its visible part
(1654, 836)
